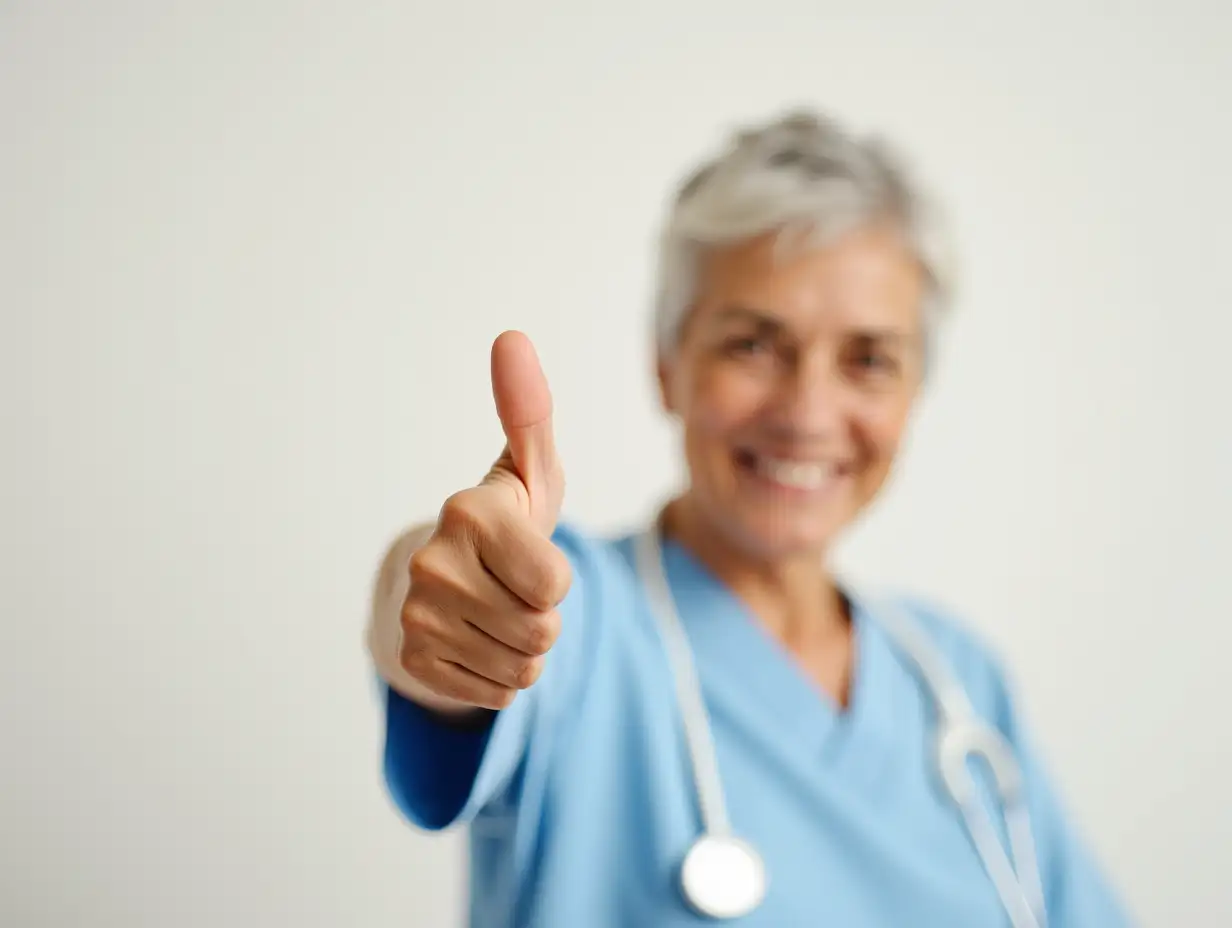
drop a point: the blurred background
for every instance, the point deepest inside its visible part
(253, 256)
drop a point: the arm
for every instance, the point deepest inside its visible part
(464, 612)
(443, 768)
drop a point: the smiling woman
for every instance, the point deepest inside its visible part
(794, 378)
(579, 696)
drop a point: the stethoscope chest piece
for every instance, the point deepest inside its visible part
(723, 877)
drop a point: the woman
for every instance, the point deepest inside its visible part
(700, 720)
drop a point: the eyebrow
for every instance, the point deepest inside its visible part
(747, 314)
(766, 320)
(766, 323)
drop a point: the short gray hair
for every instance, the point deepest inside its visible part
(807, 178)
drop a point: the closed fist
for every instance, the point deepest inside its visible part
(480, 613)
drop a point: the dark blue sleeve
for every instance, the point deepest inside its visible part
(430, 763)
(439, 773)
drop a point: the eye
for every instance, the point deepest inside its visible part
(746, 346)
(870, 360)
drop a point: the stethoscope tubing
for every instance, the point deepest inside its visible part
(960, 735)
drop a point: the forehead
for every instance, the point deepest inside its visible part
(866, 278)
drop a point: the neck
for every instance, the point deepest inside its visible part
(795, 597)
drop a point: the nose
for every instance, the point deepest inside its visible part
(813, 398)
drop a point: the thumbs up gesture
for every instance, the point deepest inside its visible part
(480, 613)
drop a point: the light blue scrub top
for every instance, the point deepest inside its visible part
(581, 804)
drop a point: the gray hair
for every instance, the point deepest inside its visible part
(807, 179)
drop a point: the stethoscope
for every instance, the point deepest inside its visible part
(723, 876)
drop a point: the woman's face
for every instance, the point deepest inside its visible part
(794, 378)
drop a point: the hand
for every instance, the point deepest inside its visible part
(480, 613)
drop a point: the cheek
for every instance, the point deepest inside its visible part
(881, 431)
(723, 401)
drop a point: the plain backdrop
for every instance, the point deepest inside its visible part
(252, 259)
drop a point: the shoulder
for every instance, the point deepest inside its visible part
(593, 551)
(602, 590)
(602, 563)
(970, 656)
(604, 581)
(605, 561)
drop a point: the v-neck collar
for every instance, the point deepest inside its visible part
(750, 676)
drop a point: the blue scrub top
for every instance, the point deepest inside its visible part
(580, 800)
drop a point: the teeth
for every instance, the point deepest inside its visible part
(795, 474)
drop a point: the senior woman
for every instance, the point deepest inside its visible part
(699, 720)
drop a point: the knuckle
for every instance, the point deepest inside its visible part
(526, 672)
(555, 581)
(430, 564)
(415, 659)
(541, 633)
(461, 513)
(416, 617)
(549, 581)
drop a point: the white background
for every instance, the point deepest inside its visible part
(252, 257)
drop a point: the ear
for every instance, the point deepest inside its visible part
(664, 374)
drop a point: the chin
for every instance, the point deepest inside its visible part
(797, 538)
(778, 533)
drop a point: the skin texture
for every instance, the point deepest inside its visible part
(809, 356)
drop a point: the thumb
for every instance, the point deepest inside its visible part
(524, 405)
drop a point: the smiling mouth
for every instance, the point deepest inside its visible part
(802, 476)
